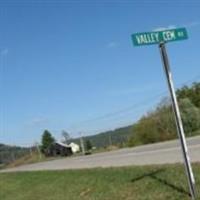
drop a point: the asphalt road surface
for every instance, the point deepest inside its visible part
(159, 153)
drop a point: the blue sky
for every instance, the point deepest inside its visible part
(68, 64)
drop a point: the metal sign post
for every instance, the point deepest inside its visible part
(161, 37)
(179, 123)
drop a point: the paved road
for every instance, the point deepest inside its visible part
(160, 153)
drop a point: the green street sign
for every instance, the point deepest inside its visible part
(156, 37)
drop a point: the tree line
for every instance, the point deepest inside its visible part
(159, 124)
(11, 153)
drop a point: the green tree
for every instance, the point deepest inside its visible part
(66, 136)
(192, 93)
(190, 116)
(47, 140)
(157, 125)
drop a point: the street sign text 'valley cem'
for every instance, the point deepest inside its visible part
(156, 37)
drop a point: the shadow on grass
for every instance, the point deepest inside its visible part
(160, 180)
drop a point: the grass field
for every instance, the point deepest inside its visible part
(126, 183)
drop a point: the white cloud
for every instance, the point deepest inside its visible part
(188, 25)
(112, 45)
(165, 28)
(172, 27)
(192, 24)
(136, 90)
(3, 52)
(39, 121)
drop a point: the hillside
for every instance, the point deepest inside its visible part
(116, 137)
(10, 153)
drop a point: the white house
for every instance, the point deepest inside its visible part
(75, 147)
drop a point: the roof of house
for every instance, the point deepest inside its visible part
(62, 144)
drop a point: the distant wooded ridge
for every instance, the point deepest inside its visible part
(10, 153)
(118, 137)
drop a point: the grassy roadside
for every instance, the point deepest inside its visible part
(29, 159)
(35, 158)
(125, 183)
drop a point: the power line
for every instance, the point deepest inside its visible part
(134, 106)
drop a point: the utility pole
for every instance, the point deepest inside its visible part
(110, 139)
(13, 156)
(82, 144)
(31, 152)
(39, 151)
